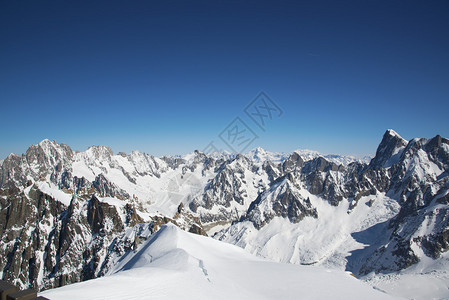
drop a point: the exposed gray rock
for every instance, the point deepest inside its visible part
(283, 201)
(389, 150)
(106, 188)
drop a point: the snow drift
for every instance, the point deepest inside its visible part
(174, 264)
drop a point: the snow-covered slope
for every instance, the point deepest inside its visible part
(324, 236)
(174, 264)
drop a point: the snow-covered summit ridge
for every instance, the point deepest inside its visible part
(393, 133)
(259, 155)
(174, 264)
(389, 150)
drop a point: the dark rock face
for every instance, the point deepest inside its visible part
(62, 234)
(293, 163)
(10, 172)
(197, 230)
(273, 171)
(98, 214)
(283, 200)
(387, 152)
(435, 244)
(401, 256)
(226, 187)
(417, 188)
(289, 206)
(23, 234)
(106, 188)
(132, 217)
(173, 162)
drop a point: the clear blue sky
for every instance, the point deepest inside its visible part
(167, 77)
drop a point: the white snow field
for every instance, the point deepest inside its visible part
(428, 279)
(174, 264)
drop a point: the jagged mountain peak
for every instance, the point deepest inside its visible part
(100, 152)
(52, 147)
(11, 156)
(101, 148)
(260, 155)
(43, 157)
(136, 153)
(282, 199)
(393, 133)
(307, 154)
(258, 151)
(389, 150)
(436, 142)
(194, 157)
(46, 142)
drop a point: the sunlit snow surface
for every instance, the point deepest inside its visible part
(326, 240)
(333, 239)
(174, 264)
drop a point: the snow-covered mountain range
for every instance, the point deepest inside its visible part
(71, 216)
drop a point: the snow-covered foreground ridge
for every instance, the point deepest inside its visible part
(70, 216)
(174, 264)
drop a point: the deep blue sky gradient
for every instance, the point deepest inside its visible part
(166, 77)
